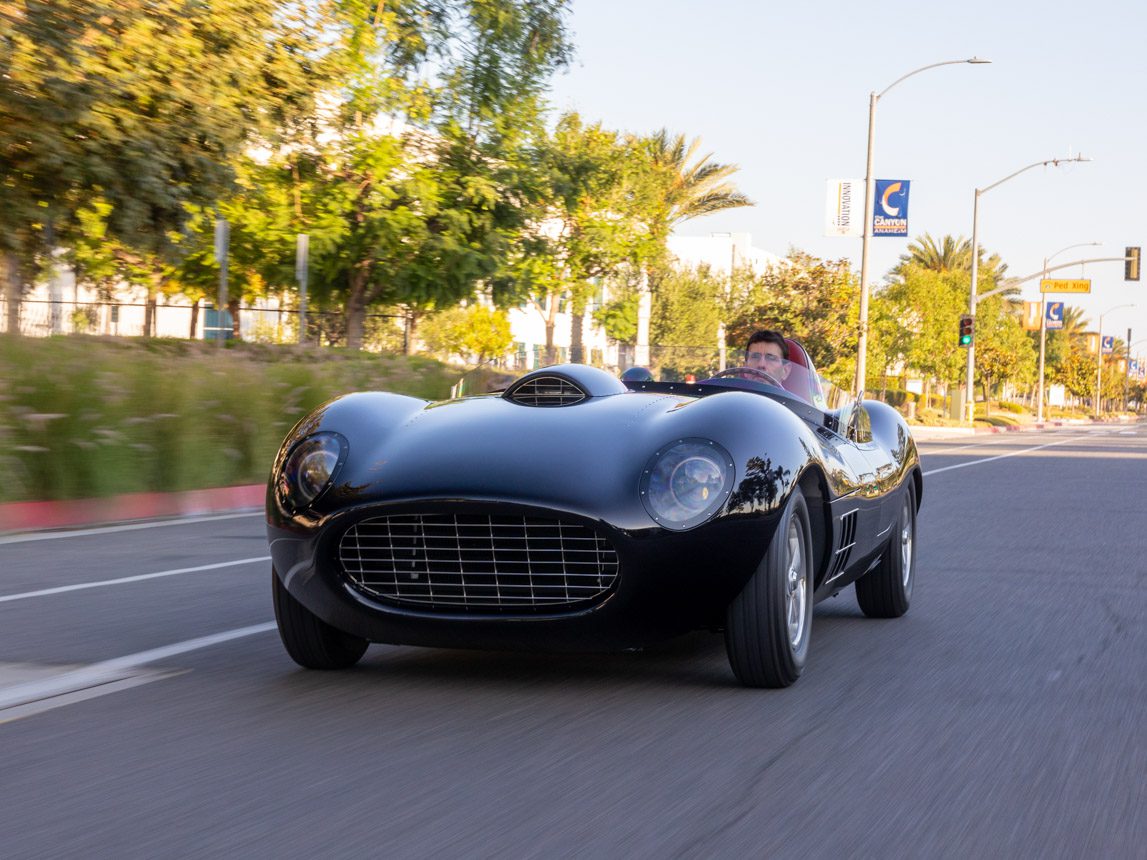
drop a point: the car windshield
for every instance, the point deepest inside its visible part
(797, 380)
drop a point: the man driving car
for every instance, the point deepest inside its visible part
(767, 351)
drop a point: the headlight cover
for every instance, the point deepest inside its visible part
(309, 469)
(686, 482)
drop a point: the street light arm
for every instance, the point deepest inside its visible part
(973, 60)
(1055, 162)
(1015, 282)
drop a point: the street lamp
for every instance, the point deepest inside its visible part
(1054, 162)
(869, 188)
(1099, 357)
(1043, 324)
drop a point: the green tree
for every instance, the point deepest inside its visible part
(810, 299)
(142, 105)
(687, 306)
(476, 332)
(950, 254)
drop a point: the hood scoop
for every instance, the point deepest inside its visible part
(563, 385)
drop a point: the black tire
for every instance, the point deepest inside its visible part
(886, 590)
(311, 642)
(762, 648)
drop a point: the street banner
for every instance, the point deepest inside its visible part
(1031, 316)
(1054, 315)
(1065, 285)
(890, 208)
(1108, 343)
(843, 203)
(1135, 367)
(1092, 342)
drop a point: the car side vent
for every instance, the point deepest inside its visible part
(546, 391)
(847, 542)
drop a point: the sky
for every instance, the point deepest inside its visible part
(782, 89)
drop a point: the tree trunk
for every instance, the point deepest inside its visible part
(413, 317)
(577, 345)
(194, 320)
(356, 309)
(13, 290)
(551, 321)
(149, 304)
(233, 308)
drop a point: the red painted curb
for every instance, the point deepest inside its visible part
(28, 516)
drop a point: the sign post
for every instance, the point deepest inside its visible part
(302, 264)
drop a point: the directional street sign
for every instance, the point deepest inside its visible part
(1063, 285)
(1054, 315)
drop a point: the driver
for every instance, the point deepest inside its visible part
(767, 351)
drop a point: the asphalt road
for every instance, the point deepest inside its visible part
(1004, 716)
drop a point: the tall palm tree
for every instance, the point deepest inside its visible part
(695, 186)
(950, 254)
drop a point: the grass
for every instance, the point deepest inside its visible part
(84, 417)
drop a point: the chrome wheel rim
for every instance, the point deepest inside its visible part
(796, 586)
(906, 543)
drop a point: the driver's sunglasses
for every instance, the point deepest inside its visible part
(766, 357)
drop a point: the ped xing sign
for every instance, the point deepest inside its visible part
(1065, 285)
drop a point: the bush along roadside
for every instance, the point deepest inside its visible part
(90, 417)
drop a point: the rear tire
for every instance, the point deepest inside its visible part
(311, 642)
(767, 626)
(886, 591)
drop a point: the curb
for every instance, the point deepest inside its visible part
(30, 516)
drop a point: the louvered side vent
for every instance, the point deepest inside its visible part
(847, 542)
(547, 391)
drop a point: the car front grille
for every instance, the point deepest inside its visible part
(500, 563)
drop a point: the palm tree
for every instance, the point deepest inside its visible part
(950, 254)
(694, 186)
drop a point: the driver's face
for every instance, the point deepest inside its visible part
(767, 357)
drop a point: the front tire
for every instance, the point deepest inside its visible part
(767, 626)
(311, 642)
(886, 591)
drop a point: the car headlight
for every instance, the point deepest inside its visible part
(686, 482)
(309, 469)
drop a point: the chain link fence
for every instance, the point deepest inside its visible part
(41, 318)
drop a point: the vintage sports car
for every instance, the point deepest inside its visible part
(576, 510)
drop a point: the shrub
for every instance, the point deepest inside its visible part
(86, 417)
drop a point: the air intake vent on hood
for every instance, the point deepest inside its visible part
(547, 391)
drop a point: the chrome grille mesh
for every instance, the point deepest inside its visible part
(477, 561)
(547, 391)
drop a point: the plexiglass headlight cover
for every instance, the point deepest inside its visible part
(309, 469)
(686, 482)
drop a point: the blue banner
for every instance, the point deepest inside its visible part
(1054, 315)
(890, 208)
(1108, 343)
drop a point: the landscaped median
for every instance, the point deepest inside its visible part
(123, 429)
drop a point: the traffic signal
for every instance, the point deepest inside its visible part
(1131, 264)
(966, 323)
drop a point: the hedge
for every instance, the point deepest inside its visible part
(84, 417)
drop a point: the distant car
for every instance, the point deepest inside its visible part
(575, 511)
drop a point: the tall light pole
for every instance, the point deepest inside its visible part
(970, 390)
(1099, 359)
(869, 188)
(1043, 324)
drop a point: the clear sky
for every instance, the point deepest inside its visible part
(782, 90)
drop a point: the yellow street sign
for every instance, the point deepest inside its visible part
(1057, 285)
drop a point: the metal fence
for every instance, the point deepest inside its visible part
(41, 318)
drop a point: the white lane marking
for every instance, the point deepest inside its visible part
(181, 521)
(999, 456)
(115, 669)
(61, 589)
